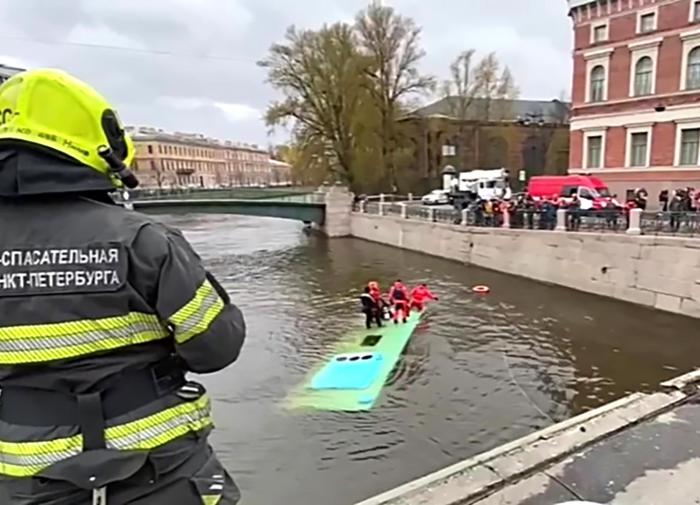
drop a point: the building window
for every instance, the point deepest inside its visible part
(690, 141)
(160, 149)
(647, 22)
(150, 149)
(643, 75)
(639, 149)
(693, 69)
(695, 11)
(600, 33)
(594, 151)
(598, 84)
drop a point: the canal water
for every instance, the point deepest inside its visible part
(480, 371)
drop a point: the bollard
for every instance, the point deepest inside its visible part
(506, 218)
(561, 220)
(410, 197)
(431, 214)
(381, 209)
(404, 214)
(381, 197)
(635, 227)
(465, 217)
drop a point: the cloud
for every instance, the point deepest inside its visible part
(190, 64)
(11, 61)
(236, 112)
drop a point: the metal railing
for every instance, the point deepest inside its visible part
(390, 197)
(634, 222)
(418, 212)
(392, 209)
(671, 223)
(238, 193)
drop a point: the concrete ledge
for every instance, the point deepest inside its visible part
(658, 272)
(682, 382)
(488, 472)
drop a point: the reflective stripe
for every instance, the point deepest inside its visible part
(24, 459)
(196, 316)
(158, 429)
(211, 499)
(48, 342)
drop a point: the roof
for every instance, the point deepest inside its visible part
(149, 133)
(552, 111)
(578, 3)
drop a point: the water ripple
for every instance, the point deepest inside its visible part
(451, 394)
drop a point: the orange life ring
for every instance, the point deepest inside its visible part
(482, 290)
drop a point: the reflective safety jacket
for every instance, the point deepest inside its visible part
(102, 310)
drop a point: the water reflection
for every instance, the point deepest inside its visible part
(452, 394)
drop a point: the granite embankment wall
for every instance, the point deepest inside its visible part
(659, 272)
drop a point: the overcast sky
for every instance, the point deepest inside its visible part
(204, 78)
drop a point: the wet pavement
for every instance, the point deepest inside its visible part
(656, 462)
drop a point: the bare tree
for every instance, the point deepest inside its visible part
(494, 83)
(562, 110)
(470, 91)
(392, 43)
(461, 89)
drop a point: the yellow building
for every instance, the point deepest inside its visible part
(167, 160)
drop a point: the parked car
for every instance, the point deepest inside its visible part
(436, 197)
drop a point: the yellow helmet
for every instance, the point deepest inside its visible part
(52, 109)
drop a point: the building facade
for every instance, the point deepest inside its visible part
(636, 93)
(519, 135)
(177, 160)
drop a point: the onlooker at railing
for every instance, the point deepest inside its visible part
(497, 207)
(574, 214)
(689, 200)
(488, 213)
(548, 218)
(640, 198)
(663, 200)
(613, 212)
(677, 206)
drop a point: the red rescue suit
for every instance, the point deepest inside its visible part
(375, 291)
(419, 296)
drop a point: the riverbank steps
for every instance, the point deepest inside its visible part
(654, 271)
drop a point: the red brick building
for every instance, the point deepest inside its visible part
(636, 93)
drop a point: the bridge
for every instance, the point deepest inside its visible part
(326, 208)
(307, 212)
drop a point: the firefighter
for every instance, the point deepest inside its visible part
(103, 312)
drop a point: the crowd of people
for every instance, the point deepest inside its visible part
(524, 211)
(397, 305)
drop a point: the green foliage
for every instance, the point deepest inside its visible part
(343, 87)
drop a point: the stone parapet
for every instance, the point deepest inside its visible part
(658, 272)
